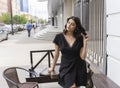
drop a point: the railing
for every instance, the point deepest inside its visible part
(48, 53)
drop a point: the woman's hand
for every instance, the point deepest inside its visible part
(50, 69)
(85, 38)
(83, 51)
(52, 73)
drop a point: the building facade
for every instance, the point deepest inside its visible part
(101, 19)
(24, 5)
(3, 6)
(113, 39)
(14, 6)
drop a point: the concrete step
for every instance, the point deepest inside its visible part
(46, 34)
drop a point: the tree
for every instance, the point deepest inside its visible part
(42, 21)
(16, 19)
(19, 19)
(5, 18)
(23, 19)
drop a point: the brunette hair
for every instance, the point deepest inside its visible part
(79, 28)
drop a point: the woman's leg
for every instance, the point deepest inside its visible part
(74, 86)
(82, 87)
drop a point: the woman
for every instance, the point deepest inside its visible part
(72, 43)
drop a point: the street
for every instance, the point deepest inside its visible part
(16, 52)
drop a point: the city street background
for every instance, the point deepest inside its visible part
(16, 52)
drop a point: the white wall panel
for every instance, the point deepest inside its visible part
(114, 70)
(113, 24)
(113, 6)
(113, 39)
(113, 46)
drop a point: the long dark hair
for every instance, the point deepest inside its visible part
(79, 28)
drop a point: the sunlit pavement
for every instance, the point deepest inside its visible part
(15, 52)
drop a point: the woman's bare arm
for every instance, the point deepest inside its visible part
(56, 55)
(83, 51)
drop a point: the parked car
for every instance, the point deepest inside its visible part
(3, 35)
(21, 27)
(6, 29)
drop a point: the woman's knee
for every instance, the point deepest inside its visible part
(82, 87)
(74, 86)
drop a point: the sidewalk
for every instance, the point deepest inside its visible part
(16, 52)
(23, 44)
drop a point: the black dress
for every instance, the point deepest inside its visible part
(72, 68)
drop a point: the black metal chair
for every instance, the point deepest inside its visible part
(11, 76)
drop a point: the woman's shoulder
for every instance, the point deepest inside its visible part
(57, 38)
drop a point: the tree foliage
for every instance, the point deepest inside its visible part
(6, 18)
(19, 19)
(42, 21)
(16, 19)
(23, 19)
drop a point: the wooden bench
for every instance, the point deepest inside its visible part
(102, 81)
(45, 77)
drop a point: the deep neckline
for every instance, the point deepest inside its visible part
(70, 46)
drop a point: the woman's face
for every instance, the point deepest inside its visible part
(71, 25)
